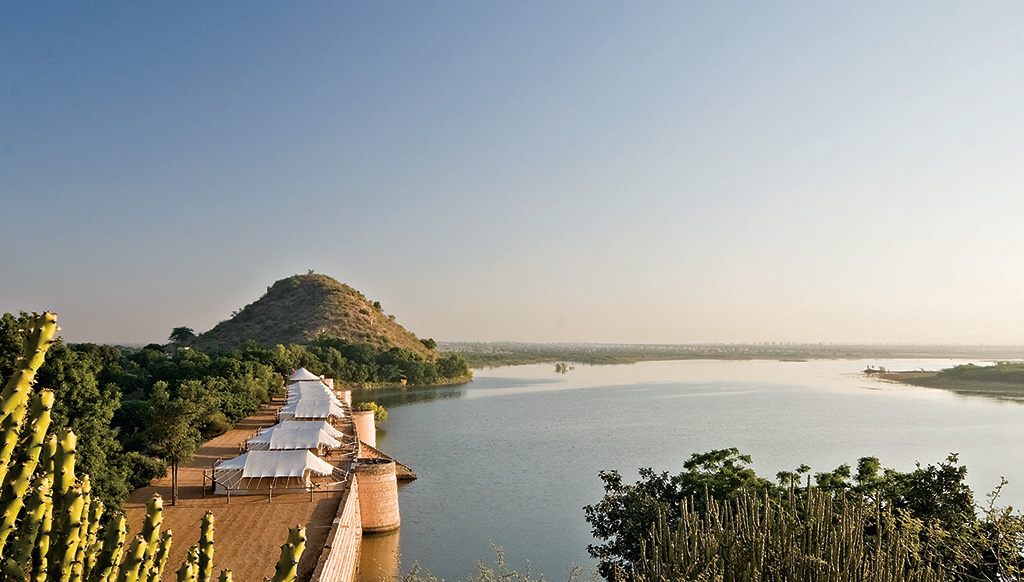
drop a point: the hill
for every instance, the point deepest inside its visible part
(298, 309)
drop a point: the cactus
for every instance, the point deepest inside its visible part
(14, 399)
(157, 569)
(93, 543)
(187, 571)
(291, 551)
(70, 526)
(49, 521)
(15, 488)
(151, 532)
(205, 563)
(110, 554)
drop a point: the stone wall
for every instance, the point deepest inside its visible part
(340, 555)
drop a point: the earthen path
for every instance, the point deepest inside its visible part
(249, 531)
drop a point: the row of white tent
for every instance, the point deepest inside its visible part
(284, 452)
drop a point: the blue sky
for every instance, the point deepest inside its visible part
(535, 171)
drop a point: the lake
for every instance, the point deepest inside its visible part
(512, 458)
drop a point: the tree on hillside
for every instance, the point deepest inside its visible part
(173, 434)
(182, 335)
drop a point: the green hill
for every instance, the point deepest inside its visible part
(298, 309)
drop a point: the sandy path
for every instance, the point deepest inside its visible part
(249, 531)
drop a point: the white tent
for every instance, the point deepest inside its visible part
(277, 464)
(311, 408)
(302, 374)
(297, 434)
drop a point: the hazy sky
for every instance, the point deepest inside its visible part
(538, 171)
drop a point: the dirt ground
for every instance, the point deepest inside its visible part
(249, 531)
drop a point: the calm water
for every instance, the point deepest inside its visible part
(513, 457)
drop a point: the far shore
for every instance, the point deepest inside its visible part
(926, 379)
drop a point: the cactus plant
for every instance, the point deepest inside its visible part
(205, 563)
(291, 551)
(49, 520)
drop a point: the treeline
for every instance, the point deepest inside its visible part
(359, 363)
(494, 354)
(719, 520)
(1001, 372)
(137, 410)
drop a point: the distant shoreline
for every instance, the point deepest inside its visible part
(1001, 390)
(498, 354)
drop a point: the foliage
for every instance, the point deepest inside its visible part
(172, 431)
(104, 394)
(298, 309)
(379, 412)
(931, 502)
(50, 522)
(622, 518)
(182, 335)
(813, 537)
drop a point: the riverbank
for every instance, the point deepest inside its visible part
(481, 355)
(968, 387)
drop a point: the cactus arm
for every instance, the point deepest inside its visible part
(157, 569)
(187, 571)
(93, 543)
(40, 560)
(81, 534)
(205, 563)
(15, 566)
(291, 551)
(110, 554)
(14, 399)
(129, 571)
(225, 576)
(70, 526)
(151, 531)
(64, 463)
(16, 486)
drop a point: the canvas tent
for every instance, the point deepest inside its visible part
(311, 408)
(302, 374)
(262, 470)
(297, 434)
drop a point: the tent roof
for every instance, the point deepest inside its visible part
(301, 437)
(255, 464)
(295, 425)
(303, 374)
(314, 406)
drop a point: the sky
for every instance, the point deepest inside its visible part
(573, 171)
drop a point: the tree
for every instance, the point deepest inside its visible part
(429, 343)
(625, 515)
(182, 335)
(173, 434)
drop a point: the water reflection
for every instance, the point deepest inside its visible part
(378, 557)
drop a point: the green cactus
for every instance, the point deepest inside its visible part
(205, 563)
(40, 560)
(16, 487)
(93, 543)
(188, 570)
(151, 531)
(157, 569)
(14, 399)
(106, 561)
(70, 524)
(49, 521)
(15, 565)
(291, 551)
(64, 463)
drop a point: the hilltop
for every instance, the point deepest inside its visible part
(298, 309)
